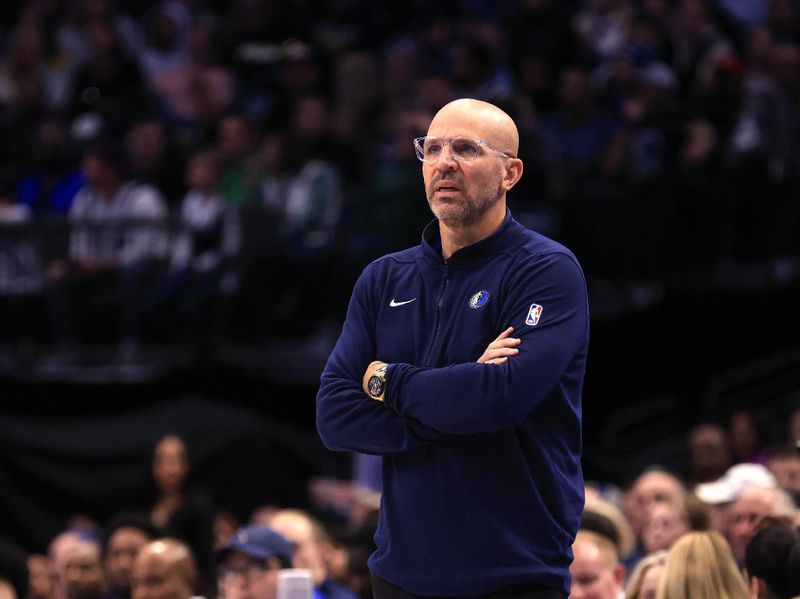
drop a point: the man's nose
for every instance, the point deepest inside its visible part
(447, 160)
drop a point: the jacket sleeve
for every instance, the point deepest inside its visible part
(347, 419)
(476, 398)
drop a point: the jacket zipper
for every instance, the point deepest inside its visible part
(439, 312)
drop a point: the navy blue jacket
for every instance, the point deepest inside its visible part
(482, 483)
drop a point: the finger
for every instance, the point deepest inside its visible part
(508, 342)
(501, 351)
(497, 353)
(505, 334)
(497, 361)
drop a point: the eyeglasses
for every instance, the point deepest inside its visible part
(249, 572)
(463, 149)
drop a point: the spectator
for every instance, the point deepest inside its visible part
(154, 159)
(125, 535)
(643, 582)
(225, 526)
(184, 304)
(116, 247)
(108, 85)
(40, 579)
(665, 524)
(48, 184)
(648, 488)
(194, 93)
(596, 571)
(83, 571)
(767, 562)
(747, 438)
(164, 569)
(783, 462)
(311, 542)
(60, 551)
(753, 505)
(720, 495)
(700, 566)
(182, 512)
(236, 140)
(709, 453)
(250, 563)
(626, 539)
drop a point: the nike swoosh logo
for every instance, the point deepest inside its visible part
(394, 304)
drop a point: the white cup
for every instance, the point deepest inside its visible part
(295, 583)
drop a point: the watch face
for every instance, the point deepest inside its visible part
(375, 386)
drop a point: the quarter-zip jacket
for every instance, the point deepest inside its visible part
(482, 483)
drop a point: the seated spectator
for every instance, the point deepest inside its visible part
(72, 541)
(194, 93)
(626, 540)
(784, 464)
(154, 159)
(83, 571)
(709, 453)
(768, 562)
(665, 524)
(107, 85)
(747, 438)
(649, 487)
(700, 565)
(596, 571)
(645, 578)
(752, 506)
(183, 303)
(48, 184)
(40, 577)
(236, 138)
(116, 247)
(250, 563)
(164, 569)
(311, 542)
(719, 495)
(125, 535)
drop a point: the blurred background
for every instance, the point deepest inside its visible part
(189, 189)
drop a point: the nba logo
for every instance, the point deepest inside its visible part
(534, 313)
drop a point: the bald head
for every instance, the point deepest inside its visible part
(164, 569)
(596, 571)
(477, 118)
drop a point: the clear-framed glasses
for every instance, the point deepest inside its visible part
(463, 149)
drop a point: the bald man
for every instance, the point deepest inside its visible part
(596, 570)
(164, 569)
(461, 362)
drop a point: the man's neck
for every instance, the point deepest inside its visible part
(455, 238)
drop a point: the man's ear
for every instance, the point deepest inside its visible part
(513, 173)
(619, 574)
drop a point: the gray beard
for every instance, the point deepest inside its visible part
(467, 213)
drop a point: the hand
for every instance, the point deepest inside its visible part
(371, 369)
(499, 350)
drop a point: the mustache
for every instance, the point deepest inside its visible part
(446, 177)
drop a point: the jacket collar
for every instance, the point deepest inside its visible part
(478, 252)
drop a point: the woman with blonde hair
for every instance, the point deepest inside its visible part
(644, 580)
(700, 565)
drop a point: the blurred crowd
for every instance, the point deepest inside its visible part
(179, 159)
(727, 527)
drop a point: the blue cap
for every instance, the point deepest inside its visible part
(260, 542)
